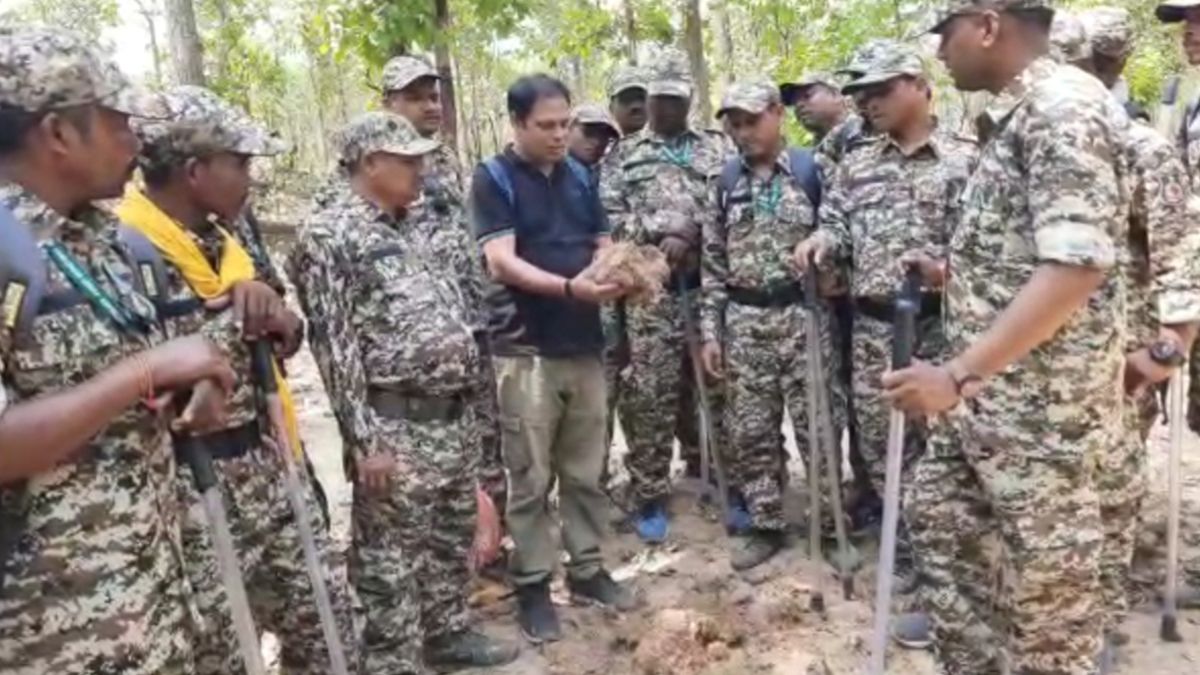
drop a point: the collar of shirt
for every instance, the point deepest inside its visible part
(783, 163)
(648, 135)
(46, 223)
(524, 165)
(370, 211)
(933, 144)
(1012, 96)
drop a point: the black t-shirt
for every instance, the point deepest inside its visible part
(556, 220)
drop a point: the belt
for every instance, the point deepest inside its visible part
(231, 443)
(884, 308)
(395, 405)
(783, 295)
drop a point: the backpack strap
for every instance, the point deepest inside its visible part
(730, 173)
(581, 173)
(804, 172)
(499, 174)
(23, 277)
(152, 275)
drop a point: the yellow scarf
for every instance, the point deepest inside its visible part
(169, 237)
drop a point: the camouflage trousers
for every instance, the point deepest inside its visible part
(410, 543)
(766, 370)
(487, 420)
(1121, 483)
(871, 354)
(1006, 528)
(657, 400)
(272, 561)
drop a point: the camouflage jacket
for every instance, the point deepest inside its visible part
(1049, 187)
(880, 203)
(652, 188)
(852, 133)
(1164, 245)
(381, 315)
(749, 244)
(94, 559)
(1189, 142)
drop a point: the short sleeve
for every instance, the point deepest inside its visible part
(1073, 154)
(491, 214)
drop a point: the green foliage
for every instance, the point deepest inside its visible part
(90, 17)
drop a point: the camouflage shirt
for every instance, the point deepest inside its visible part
(1049, 187)
(880, 202)
(382, 314)
(652, 187)
(1189, 142)
(750, 245)
(1163, 243)
(840, 141)
(93, 568)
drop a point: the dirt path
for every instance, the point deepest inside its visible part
(699, 617)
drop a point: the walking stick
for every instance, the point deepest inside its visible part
(1176, 399)
(264, 369)
(709, 450)
(820, 429)
(907, 304)
(198, 457)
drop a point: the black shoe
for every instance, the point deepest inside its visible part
(866, 513)
(602, 590)
(536, 614)
(757, 548)
(468, 649)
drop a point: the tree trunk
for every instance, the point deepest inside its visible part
(148, 15)
(631, 41)
(187, 54)
(441, 53)
(693, 40)
(724, 43)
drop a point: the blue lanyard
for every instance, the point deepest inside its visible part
(129, 322)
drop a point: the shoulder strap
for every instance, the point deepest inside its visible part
(730, 172)
(581, 173)
(499, 174)
(22, 274)
(804, 172)
(152, 275)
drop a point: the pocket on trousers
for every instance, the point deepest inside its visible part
(513, 445)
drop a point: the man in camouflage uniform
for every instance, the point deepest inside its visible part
(398, 356)
(90, 574)
(627, 99)
(655, 186)
(439, 224)
(593, 131)
(196, 169)
(1034, 320)
(752, 313)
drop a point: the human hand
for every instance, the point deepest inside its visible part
(922, 389)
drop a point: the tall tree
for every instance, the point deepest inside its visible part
(441, 53)
(149, 14)
(693, 42)
(187, 54)
(631, 31)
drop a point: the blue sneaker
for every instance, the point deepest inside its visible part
(651, 523)
(738, 520)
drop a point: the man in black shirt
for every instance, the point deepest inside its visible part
(539, 221)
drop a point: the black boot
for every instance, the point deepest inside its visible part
(755, 549)
(468, 649)
(536, 614)
(602, 590)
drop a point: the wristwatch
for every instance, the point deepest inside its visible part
(1166, 353)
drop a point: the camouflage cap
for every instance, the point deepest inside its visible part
(1068, 39)
(590, 113)
(46, 69)
(669, 74)
(380, 131)
(1109, 30)
(955, 8)
(752, 96)
(402, 71)
(626, 78)
(1174, 11)
(201, 123)
(865, 55)
(789, 90)
(897, 60)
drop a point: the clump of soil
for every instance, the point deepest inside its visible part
(641, 269)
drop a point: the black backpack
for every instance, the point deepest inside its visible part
(804, 172)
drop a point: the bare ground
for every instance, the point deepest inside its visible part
(699, 617)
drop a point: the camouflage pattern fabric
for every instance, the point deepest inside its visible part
(266, 535)
(653, 187)
(881, 203)
(94, 582)
(1068, 39)
(201, 124)
(385, 320)
(624, 78)
(852, 133)
(954, 8)
(401, 71)
(1109, 30)
(748, 247)
(1050, 186)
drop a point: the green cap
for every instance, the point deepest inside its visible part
(897, 60)
(955, 8)
(381, 132)
(752, 96)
